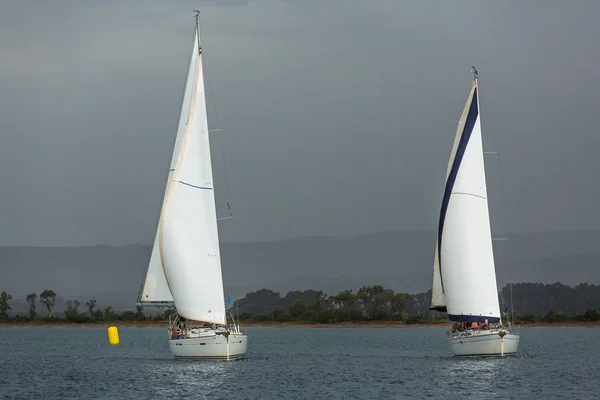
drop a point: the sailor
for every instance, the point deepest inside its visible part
(183, 327)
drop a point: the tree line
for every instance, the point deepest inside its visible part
(74, 312)
(369, 303)
(530, 302)
(533, 302)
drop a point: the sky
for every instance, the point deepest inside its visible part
(338, 116)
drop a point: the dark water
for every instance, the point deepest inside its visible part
(288, 363)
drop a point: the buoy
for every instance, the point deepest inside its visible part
(113, 335)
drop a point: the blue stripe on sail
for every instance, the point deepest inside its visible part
(460, 151)
(194, 186)
(473, 318)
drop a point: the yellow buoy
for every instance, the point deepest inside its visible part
(113, 335)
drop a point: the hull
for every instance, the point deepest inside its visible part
(484, 343)
(213, 347)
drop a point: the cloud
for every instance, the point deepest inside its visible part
(338, 116)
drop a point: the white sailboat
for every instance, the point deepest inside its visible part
(464, 276)
(185, 265)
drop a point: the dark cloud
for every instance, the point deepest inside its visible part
(338, 116)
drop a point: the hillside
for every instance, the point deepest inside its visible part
(399, 260)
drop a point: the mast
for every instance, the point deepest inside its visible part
(197, 15)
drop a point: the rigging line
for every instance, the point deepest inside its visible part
(227, 188)
(223, 155)
(505, 267)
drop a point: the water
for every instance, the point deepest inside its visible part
(296, 363)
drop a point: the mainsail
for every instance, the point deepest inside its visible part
(188, 233)
(464, 281)
(155, 288)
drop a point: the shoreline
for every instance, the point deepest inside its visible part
(291, 324)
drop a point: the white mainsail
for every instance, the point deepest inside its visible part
(188, 233)
(156, 289)
(464, 275)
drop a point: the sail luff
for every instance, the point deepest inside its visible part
(189, 241)
(466, 263)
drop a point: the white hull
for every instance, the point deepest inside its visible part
(214, 347)
(484, 343)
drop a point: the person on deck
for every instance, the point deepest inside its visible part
(183, 328)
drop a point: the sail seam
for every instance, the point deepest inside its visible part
(194, 186)
(470, 194)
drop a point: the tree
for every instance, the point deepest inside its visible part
(400, 302)
(71, 312)
(109, 315)
(5, 307)
(90, 306)
(31, 298)
(47, 298)
(277, 313)
(139, 313)
(297, 308)
(368, 296)
(345, 306)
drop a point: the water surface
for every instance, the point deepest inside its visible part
(296, 363)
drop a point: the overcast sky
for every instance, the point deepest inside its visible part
(338, 115)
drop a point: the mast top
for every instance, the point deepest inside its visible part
(197, 15)
(475, 73)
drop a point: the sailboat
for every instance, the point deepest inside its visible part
(185, 265)
(464, 275)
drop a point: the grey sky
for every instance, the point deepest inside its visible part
(339, 116)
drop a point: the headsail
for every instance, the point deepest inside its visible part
(188, 237)
(465, 260)
(437, 291)
(155, 288)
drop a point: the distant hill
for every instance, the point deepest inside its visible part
(401, 261)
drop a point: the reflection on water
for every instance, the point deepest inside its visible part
(289, 363)
(475, 375)
(192, 376)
